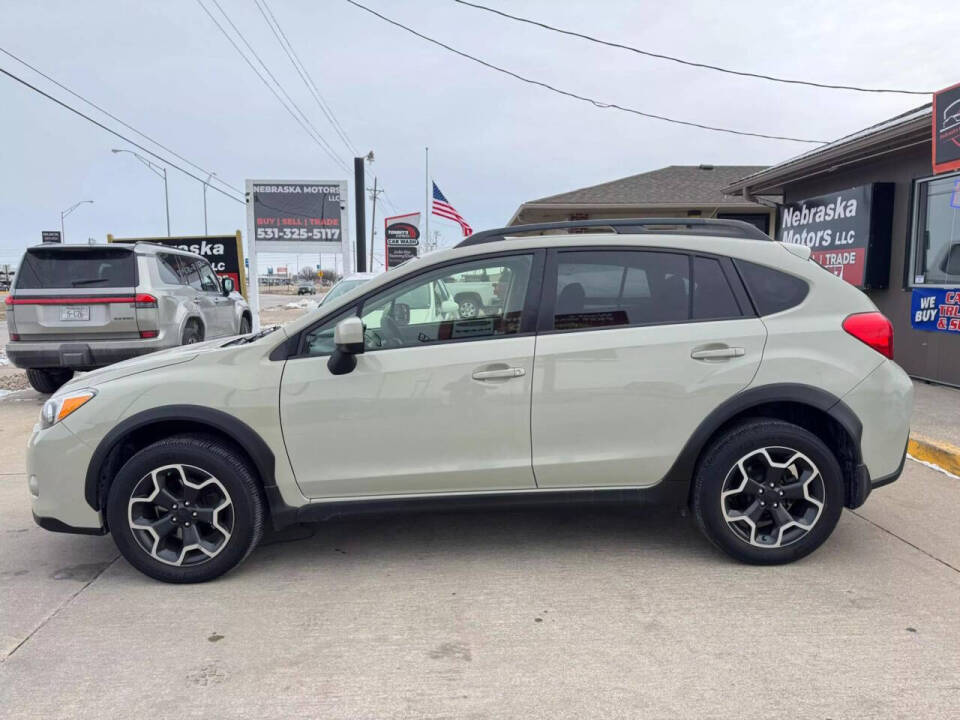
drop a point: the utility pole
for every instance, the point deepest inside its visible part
(359, 191)
(205, 183)
(374, 194)
(160, 172)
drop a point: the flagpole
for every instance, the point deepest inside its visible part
(427, 194)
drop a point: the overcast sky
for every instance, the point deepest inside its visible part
(494, 142)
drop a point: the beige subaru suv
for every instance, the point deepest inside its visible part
(691, 362)
(81, 307)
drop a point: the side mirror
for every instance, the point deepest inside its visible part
(450, 309)
(348, 339)
(227, 284)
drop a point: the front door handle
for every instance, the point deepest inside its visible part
(716, 353)
(499, 374)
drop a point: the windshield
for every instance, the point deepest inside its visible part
(45, 268)
(342, 288)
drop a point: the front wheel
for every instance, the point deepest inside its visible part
(185, 509)
(768, 492)
(48, 381)
(244, 326)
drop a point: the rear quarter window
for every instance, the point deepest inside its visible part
(772, 291)
(45, 269)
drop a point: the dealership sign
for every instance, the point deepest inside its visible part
(936, 309)
(402, 238)
(946, 129)
(223, 252)
(848, 232)
(298, 212)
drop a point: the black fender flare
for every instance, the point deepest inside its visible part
(237, 430)
(817, 398)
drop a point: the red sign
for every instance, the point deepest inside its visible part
(849, 265)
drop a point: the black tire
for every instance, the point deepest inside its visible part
(221, 461)
(720, 464)
(48, 381)
(192, 333)
(244, 326)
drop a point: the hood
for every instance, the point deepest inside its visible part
(163, 358)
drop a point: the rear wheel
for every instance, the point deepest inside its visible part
(185, 509)
(192, 333)
(48, 380)
(768, 492)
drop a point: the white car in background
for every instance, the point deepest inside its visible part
(346, 284)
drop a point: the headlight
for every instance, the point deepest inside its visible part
(56, 409)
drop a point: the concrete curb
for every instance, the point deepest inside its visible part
(939, 453)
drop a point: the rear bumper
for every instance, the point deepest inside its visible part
(80, 355)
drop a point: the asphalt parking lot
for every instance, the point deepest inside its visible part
(535, 613)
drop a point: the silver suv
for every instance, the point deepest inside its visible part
(708, 367)
(80, 307)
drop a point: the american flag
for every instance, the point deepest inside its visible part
(445, 210)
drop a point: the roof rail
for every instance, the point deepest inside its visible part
(629, 226)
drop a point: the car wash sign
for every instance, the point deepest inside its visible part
(402, 238)
(946, 129)
(936, 309)
(848, 232)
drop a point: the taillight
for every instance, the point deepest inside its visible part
(143, 300)
(8, 300)
(872, 328)
(15, 337)
(149, 333)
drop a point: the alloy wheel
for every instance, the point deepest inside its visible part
(772, 497)
(181, 515)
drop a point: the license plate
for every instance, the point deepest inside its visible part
(75, 312)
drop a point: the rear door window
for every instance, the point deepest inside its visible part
(88, 269)
(712, 297)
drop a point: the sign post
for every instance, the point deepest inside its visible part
(401, 237)
(294, 216)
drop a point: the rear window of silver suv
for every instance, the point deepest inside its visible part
(48, 268)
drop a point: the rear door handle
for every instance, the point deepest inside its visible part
(716, 353)
(499, 374)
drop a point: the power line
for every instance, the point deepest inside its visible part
(583, 98)
(304, 74)
(115, 118)
(304, 123)
(114, 132)
(690, 63)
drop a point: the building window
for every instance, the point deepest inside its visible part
(935, 244)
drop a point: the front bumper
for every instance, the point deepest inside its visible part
(57, 462)
(80, 355)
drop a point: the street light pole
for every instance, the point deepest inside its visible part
(64, 213)
(159, 171)
(205, 183)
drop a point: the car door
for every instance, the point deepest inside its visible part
(436, 403)
(222, 306)
(636, 348)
